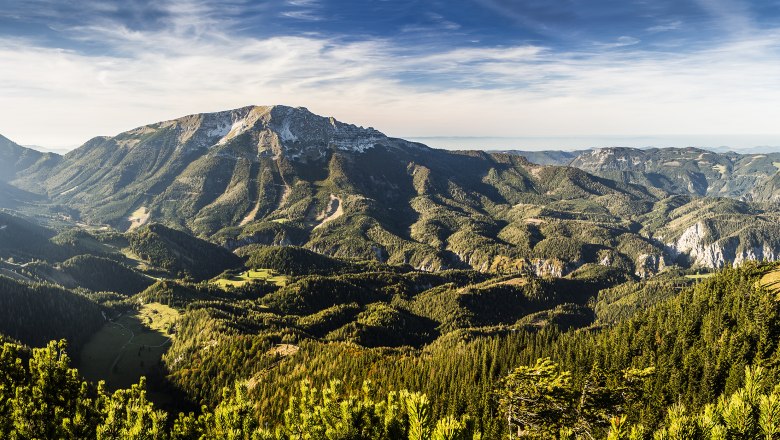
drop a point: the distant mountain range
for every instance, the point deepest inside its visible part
(56, 150)
(284, 176)
(690, 171)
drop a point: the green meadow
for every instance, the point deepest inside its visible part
(129, 347)
(252, 275)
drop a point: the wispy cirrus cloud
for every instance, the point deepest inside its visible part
(665, 26)
(734, 16)
(306, 10)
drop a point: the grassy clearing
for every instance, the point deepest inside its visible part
(771, 281)
(776, 164)
(251, 275)
(129, 347)
(720, 168)
(140, 264)
(521, 281)
(699, 276)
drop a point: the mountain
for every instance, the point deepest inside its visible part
(684, 170)
(279, 175)
(251, 249)
(691, 171)
(16, 160)
(56, 150)
(549, 157)
(217, 167)
(768, 190)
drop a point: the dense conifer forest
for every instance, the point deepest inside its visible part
(364, 350)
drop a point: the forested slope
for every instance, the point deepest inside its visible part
(37, 313)
(702, 362)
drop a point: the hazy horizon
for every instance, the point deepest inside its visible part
(739, 144)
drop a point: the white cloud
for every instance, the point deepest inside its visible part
(58, 97)
(666, 26)
(622, 41)
(734, 15)
(302, 15)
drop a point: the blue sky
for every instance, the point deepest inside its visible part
(588, 71)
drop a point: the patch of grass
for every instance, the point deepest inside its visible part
(720, 168)
(252, 275)
(771, 281)
(140, 264)
(158, 317)
(129, 347)
(699, 276)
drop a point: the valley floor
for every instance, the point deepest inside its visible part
(129, 347)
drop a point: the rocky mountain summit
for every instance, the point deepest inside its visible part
(278, 130)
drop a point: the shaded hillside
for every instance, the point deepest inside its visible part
(21, 238)
(291, 260)
(37, 313)
(102, 274)
(179, 253)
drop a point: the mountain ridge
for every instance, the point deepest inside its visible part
(690, 170)
(278, 175)
(16, 159)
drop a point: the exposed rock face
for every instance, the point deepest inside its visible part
(614, 159)
(768, 191)
(294, 132)
(757, 253)
(704, 247)
(277, 130)
(692, 244)
(648, 265)
(552, 268)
